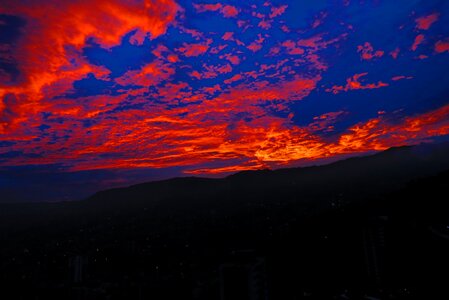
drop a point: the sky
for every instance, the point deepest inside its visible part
(105, 93)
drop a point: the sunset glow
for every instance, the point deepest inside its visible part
(217, 87)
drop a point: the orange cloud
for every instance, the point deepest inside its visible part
(161, 123)
(49, 53)
(377, 134)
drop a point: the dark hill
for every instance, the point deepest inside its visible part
(373, 227)
(357, 177)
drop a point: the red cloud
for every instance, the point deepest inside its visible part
(172, 58)
(212, 89)
(442, 46)
(395, 53)
(256, 45)
(377, 134)
(277, 11)
(418, 41)
(233, 59)
(193, 49)
(204, 134)
(354, 83)
(228, 11)
(326, 121)
(401, 77)
(228, 36)
(234, 78)
(149, 75)
(264, 24)
(207, 7)
(367, 51)
(211, 71)
(49, 53)
(424, 23)
(236, 127)
(292, 48)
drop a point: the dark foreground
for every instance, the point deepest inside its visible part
(365, 228)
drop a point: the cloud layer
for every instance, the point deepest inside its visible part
(217, 87)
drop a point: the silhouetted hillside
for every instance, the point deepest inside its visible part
(374, 226)
(355, 177)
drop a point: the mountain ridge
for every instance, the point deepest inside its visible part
(406, 162)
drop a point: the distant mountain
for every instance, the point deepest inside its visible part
(373, 227)
(354, 179)
(357, 177)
